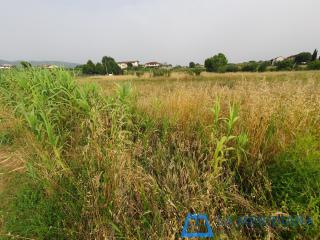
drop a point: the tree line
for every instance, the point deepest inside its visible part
(219, 63)
(107, 66)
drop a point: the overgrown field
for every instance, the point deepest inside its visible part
(129, 157)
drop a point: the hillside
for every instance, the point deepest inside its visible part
(36, 63)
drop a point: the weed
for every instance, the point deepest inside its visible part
(132, 163)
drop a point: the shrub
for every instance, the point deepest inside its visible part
(250, 67)
(231, 68)
(285, 65)
(315, 65)
(192, 65)
(263, 66)
(159, 72)
(216, 63)
(195, 71)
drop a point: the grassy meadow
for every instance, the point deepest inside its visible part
(127, 157)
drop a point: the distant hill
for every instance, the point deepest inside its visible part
(36, 63)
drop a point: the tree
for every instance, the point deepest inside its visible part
(195, 71)
(25, 64)
(315, 65)
(314, 55)
(263, 66)
(285, 65)
(99, 69)
(303, 57)
(231, 68)
(130, 65)
(111, 66)
(89, 68)
(252, 66)
(192, 65)
(216, 63)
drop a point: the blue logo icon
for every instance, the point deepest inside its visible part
(196, 218)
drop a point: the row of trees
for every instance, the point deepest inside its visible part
(219, 63)
(305, 58)
(107, 66)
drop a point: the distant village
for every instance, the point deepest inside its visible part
(276, 60)
(303, 58)
(123, 65)
(127, 64)
(46, 66)
(5, 66)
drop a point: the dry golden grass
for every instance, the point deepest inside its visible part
(10, 158)
(288, 101)
(275, 108)
(131, 166)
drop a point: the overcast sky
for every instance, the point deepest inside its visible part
(173, 31)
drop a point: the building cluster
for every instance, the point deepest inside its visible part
(5, 66)
(281, 59)
(47, 66)
(136, 63)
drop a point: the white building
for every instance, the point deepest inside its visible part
(5, 66)
(124, 65)
(49, 66)
(277, 59)
(152, 64)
